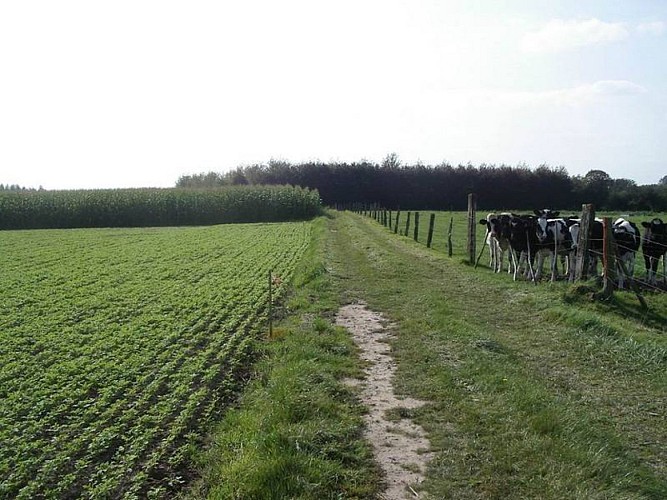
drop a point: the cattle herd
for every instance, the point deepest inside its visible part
(529, 240)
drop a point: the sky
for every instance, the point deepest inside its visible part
(137, 93)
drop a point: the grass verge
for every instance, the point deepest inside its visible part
(297, 432)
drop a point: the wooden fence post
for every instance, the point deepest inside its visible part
(472, 227)
(398, 215)
(270, 304)
(407, 224)
(587, 219)
(450, 250)
(608, 259)
(416, 235)
(431, 223)
(390, 220)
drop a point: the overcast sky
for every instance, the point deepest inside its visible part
(136, 93)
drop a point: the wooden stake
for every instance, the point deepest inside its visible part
(450, 250)
(270, 304)
(472, 227)
(416, 234)
(608, 259)
(431, 223)
(585, 227)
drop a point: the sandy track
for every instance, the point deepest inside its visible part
(400, 446)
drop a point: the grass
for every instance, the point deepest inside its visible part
(533, 391)
(532, 395)
(297, 433)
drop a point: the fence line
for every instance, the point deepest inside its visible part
(443, 237)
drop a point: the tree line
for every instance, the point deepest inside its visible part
(444, 187)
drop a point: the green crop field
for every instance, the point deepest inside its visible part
(117, 346)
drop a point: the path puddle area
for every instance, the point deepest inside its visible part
(399, 445)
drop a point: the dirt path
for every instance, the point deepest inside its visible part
(399, 445)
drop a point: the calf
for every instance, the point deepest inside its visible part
(523, 243)
(497, 237)
(553, 238)
(654, 246)
(627, 238)
(595, 241)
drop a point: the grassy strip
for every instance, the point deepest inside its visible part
(536, 392)
(298, 430)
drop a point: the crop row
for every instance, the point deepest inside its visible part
(117, 345)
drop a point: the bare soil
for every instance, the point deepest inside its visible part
(399, 445)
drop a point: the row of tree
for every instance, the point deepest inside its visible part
(444, 187)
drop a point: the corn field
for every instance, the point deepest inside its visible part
(155, 207)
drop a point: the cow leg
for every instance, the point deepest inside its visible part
(517, 265)
(493, 249)
(554, 266)
(651, 269)
(621, 275)
(512, 266)
(592, 264)
(571, 260)
(630, 265)
(540, 265)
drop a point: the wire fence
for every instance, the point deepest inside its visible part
(450, 233)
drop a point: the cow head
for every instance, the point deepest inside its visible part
(492, 222)
(656, 230)
(547, 213)
(626, 234)
(655, 224)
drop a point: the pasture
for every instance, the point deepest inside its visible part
(460, 227)
(119, 346)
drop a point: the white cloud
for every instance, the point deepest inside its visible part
(561, 35)
(656, 28)
(615, 87)
(571, 96)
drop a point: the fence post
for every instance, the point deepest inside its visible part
(608, 259)
(398, 215)
(270, 305)
(472, 227)
(431, 223)
(450, 250)
(587, 219)
(407, 224)
(416, 235)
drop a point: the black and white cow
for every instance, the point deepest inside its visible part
(627, 238)
(523, 244)
(654, 247)
(553, 238)
(595, 238)
(497, 237)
